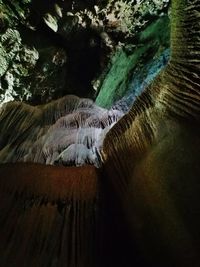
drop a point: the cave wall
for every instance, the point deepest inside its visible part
(50, 49)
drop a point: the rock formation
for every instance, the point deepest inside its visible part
(56, 48)
(48, 215)
(153, 151)
(141, 208)
(68, 131)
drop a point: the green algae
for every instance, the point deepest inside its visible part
(151, 42)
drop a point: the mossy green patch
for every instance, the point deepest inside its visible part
(152, 41)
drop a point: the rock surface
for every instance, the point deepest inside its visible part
(69, 47)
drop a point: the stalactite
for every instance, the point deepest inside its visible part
(68, 131)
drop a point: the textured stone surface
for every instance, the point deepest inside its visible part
(56, 48)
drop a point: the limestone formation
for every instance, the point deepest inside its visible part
(73, 42)
(153, 151)
(68, 131)
(142, 207)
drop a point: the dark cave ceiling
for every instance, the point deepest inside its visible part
(49, 48)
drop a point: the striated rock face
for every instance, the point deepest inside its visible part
(52, 218)
(153, 152)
